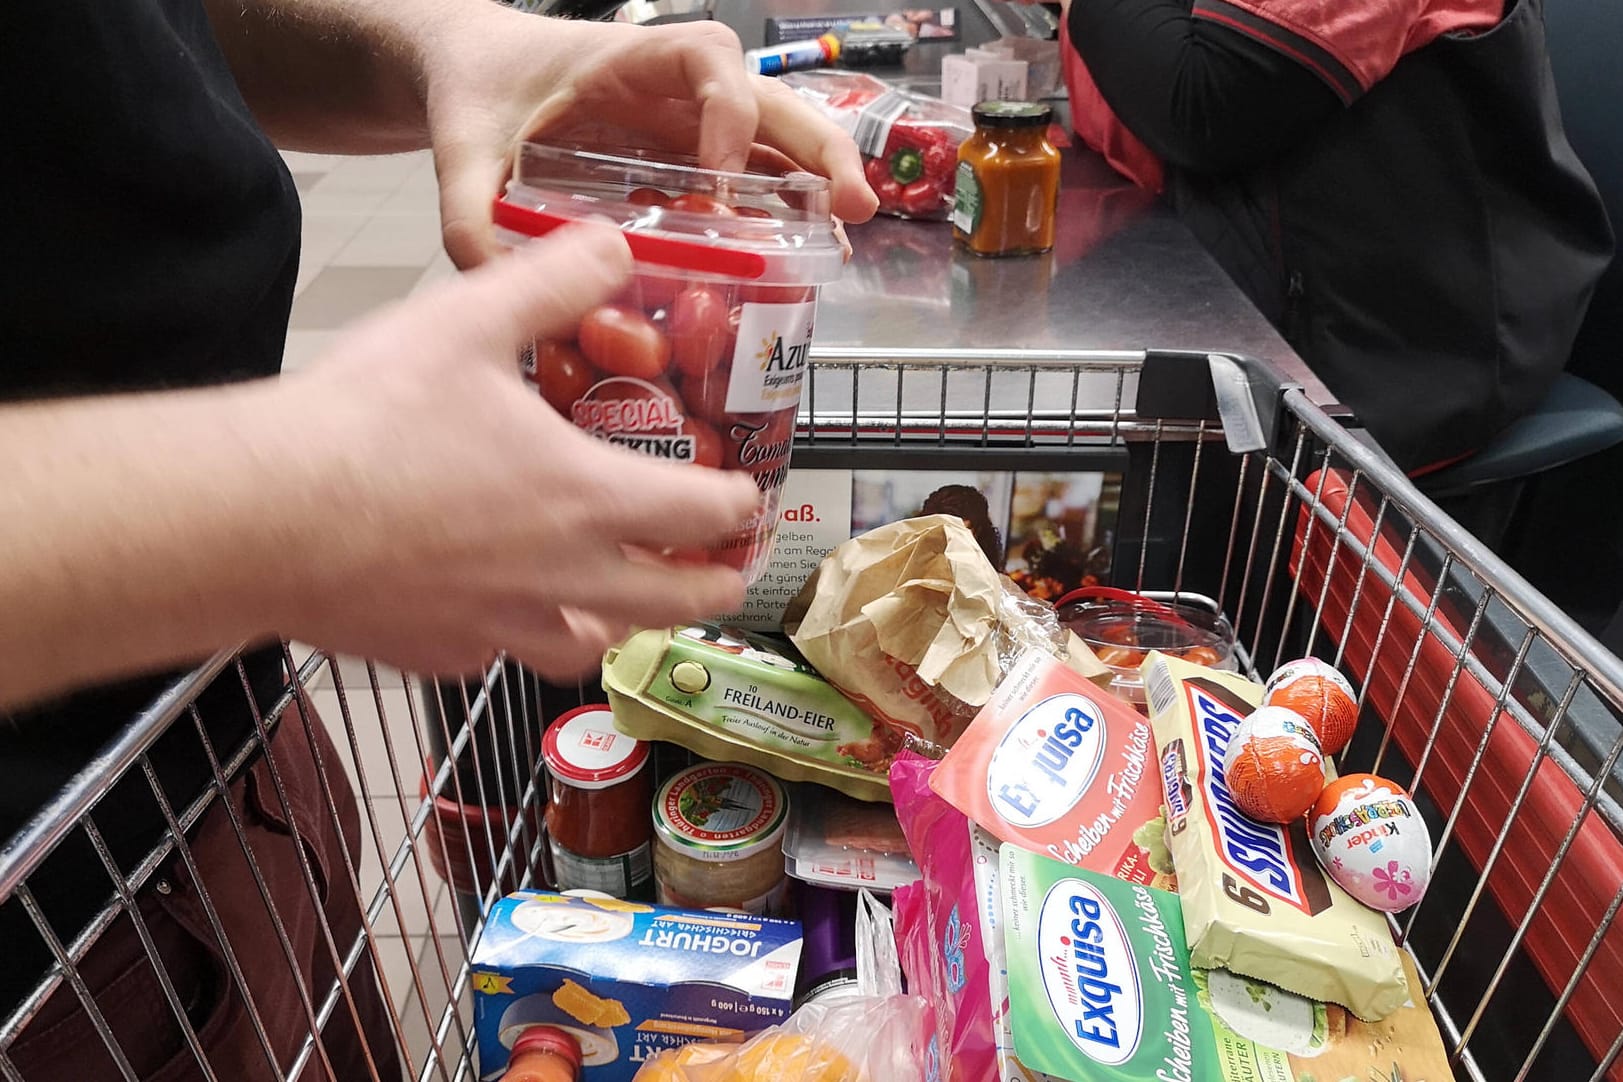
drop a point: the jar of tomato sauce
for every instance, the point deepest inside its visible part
(599, 789)
(1008, 181)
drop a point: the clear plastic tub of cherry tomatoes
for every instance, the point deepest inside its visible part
(909, 141)
(700, 360)
(1122, 627)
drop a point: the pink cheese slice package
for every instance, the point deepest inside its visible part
(938, 927)
(1056, 765)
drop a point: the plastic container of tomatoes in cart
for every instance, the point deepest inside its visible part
(700, 360)
(1122, 627)
(909, 141)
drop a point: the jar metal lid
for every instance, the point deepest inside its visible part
(721, 812)
(583, 749)
(1013, 114)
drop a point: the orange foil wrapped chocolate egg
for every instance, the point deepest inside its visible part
(1320, 694)
(1274, 766)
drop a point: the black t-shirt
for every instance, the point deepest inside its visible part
(151, 241)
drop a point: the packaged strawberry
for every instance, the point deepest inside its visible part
(909, 141)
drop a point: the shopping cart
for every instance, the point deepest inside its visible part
(1499, 713)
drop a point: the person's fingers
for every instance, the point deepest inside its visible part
(807, 136)
(470, 171)
(699, 62)
(658, 593)
(696, 64)
(594, 628)
(541, 290)
(660, 506)
(772, 161)
(727, 112)
(562, 646)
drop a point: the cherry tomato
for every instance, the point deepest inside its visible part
(921, 198)
(562, 373)
(777, 294)
(706, 443)
(624, 342)
(699, 203)
(652, 292)
(647, 197)
(753, 212)
(705, 395)
(698, 328)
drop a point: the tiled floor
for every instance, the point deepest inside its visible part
(415, 925)
(371, 236)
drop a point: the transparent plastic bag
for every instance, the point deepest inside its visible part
(880, 1035)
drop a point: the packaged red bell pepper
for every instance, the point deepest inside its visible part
(909, 141)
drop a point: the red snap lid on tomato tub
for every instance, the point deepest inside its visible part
(700, 360)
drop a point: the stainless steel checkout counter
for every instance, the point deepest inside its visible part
(1125, 276)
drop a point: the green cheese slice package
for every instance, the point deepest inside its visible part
(1168, 1021)
(1100, 986)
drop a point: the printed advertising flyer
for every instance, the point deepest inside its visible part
(1050, 532)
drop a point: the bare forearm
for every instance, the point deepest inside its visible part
(336, 76)
(142, 531)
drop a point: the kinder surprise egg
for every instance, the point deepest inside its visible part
(1369, 836)
(1320, 694)
(1274, 766)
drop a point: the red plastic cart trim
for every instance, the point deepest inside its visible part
(1560, 931)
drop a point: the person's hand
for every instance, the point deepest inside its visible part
(469, 517)
(497, 76)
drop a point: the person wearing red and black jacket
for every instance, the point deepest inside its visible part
(1388, 180)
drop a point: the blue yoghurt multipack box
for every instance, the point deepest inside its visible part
(627, 980)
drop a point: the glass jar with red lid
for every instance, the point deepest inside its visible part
(599, 790)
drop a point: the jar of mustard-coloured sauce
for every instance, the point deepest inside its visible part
(1007, 195)
(718, 831)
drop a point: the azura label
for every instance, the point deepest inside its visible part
(769, 358)
(1090, 973)
(1046, 761)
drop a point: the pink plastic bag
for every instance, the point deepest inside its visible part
(938, 927)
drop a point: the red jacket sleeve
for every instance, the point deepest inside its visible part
(1097, 125)
(1350, 44)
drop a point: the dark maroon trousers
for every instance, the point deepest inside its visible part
(357, 1044)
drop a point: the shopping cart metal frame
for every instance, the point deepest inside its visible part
(1308, 494)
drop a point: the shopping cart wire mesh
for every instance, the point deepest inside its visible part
(390, 810)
